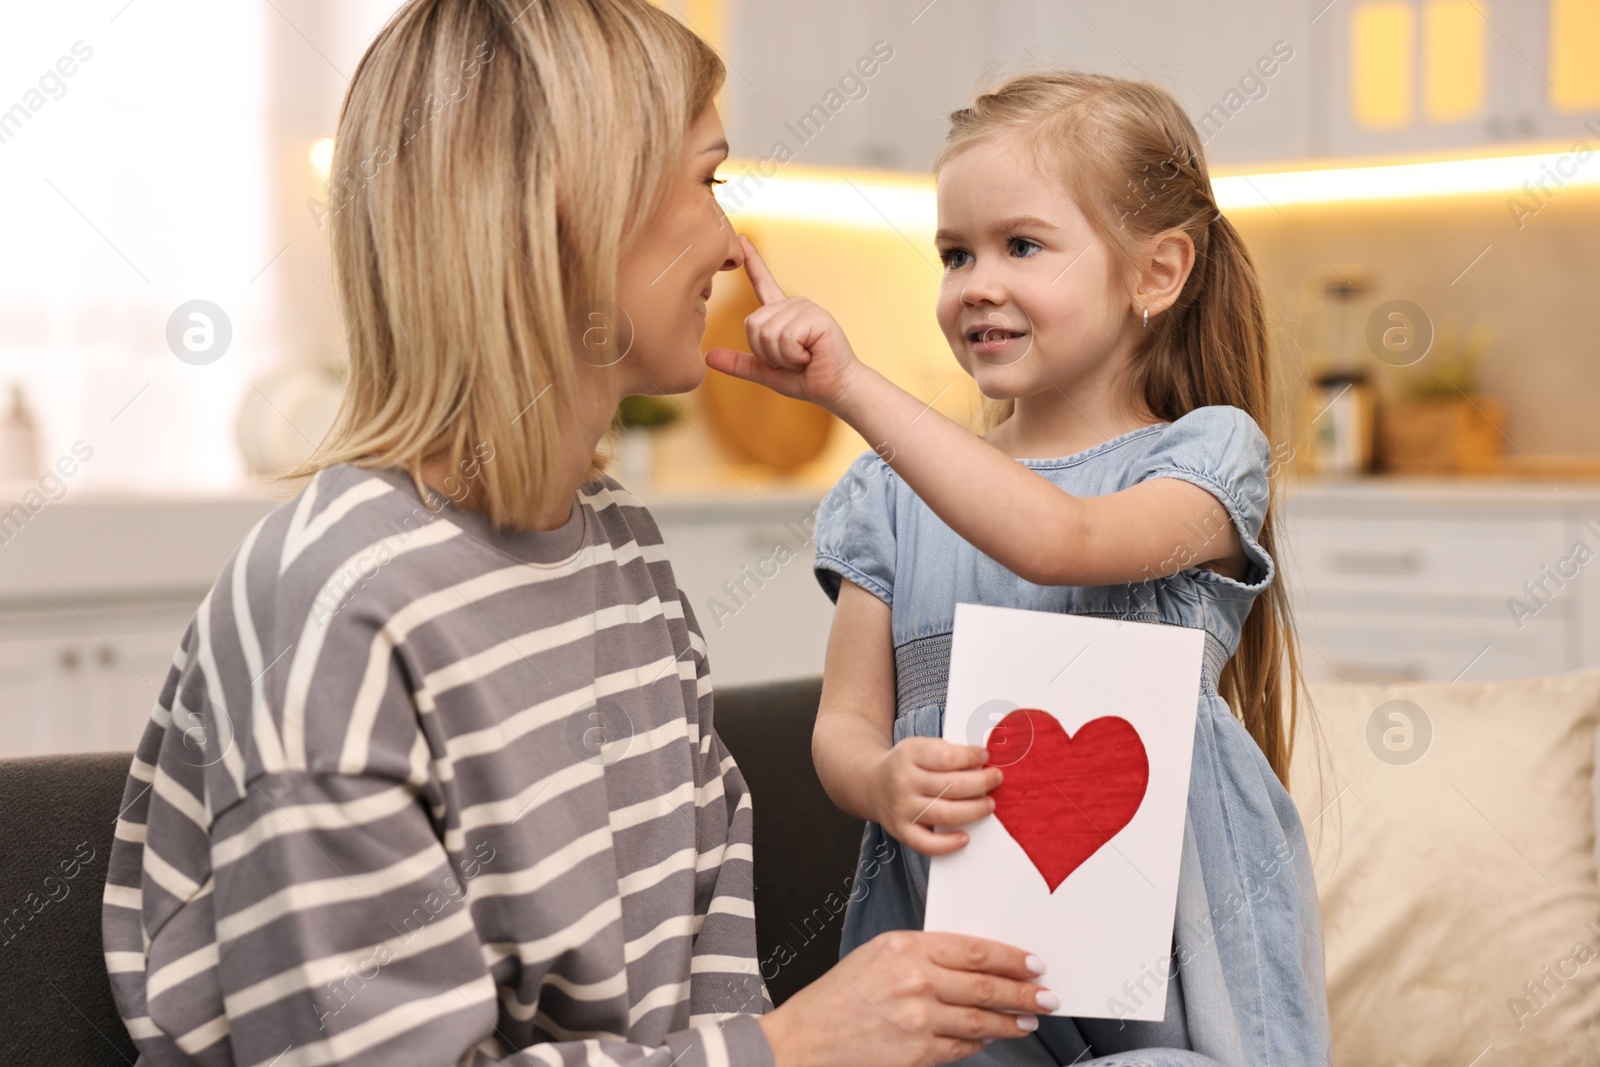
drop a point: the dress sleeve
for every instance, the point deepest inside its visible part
(855, 530)
(1222, 450)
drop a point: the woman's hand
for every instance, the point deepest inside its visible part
(909, 998)
(796, 347)
(928, 781)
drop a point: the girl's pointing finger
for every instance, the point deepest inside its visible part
(766, 287)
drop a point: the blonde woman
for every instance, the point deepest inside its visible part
(368, 823)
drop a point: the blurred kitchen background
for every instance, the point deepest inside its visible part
(1416, 179)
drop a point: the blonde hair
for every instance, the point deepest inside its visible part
(1131, 160)
(492, 161)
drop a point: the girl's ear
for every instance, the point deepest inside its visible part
(1168, 261)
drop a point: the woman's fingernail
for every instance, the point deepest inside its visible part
(1035, 964)
(1048, 1001)
(1027, 1023)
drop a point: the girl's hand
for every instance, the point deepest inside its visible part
(796, 348)
(928, 781)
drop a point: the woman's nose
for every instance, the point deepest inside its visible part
(734, 253)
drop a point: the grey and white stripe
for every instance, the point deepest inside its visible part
(369, 821)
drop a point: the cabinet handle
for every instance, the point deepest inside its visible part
(1375, 561)
(70, 660)
(106, 655)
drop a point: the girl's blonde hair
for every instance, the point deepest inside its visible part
(1131, 160)
(493, 160)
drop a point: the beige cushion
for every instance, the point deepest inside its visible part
(1450, 881)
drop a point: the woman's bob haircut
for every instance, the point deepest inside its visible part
(492, 162)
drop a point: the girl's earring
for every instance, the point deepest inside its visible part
(1147, 318)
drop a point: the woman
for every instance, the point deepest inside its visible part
(433, 778)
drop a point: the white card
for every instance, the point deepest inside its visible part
(1105, 931)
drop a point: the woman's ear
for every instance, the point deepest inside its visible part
(1169, 260)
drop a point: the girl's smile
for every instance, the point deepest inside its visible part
(998, 344)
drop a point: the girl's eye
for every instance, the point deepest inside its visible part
(1019, 243)
(952, 258)
(714, 180)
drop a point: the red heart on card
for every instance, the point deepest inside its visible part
(1063, 796)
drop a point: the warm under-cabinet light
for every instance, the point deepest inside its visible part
(875, 199)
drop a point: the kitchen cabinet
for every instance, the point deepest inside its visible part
(1396, 76)
(95, 595)
(1408, 579)
(1241, 69)
(744, 564)
(84, 684)
(1263, 81)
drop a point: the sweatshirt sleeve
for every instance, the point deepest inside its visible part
(345, 936)
(723, 981)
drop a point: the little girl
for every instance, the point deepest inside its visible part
(1113, 319)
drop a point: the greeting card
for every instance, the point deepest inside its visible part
(1092, 722)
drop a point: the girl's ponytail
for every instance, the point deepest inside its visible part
(1131, 159)
(1227, 326)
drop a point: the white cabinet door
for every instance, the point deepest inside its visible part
(83, 683)
(42, 688)
(1349, 647)
(1242, 71)
(131, 662)
(785, 59)
(795, 92)
(1560, 96)
(1403, 76)
(759, 606)
(1409, 558)
(1402, 591)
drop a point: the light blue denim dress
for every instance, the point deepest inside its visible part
(1246, 985)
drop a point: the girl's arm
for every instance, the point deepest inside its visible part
(856, 717)
(1009, 512)
(905, 788)
(1021, 519)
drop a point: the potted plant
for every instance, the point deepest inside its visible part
(638, 417)
(1442, 423)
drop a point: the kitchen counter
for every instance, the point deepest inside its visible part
(105, 546)
(1391, 578)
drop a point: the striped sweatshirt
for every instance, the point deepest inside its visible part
(421, 791)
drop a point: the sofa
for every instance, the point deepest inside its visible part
(1451, 826)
